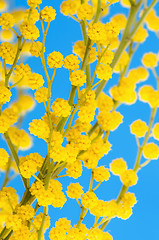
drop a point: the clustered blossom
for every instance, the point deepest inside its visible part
(73, 129)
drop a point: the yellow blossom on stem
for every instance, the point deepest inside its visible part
(118, 166)
(129, 177)
(74, 190)
(151, 151)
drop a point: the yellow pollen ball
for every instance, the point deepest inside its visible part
(118, 166)
(78, 78)
(150, 60)
(55, 59)
(48, 14)
(74, 190)
(129, 177)
(71, 62)
(156, 131)
(61, 108)
(139, 128)
(151, 151)
(85, 11)
(6, 35)
(101, 174)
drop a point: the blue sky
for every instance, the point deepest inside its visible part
(143, 224)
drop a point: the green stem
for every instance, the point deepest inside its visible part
(81, 217)
(42, 223)
(93, 128)
(19, 49)
(16, 158)
(126, 38)
(6, 179)
(98, 12)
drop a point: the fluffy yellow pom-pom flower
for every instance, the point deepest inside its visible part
(139, 128)
(71, 62)
(101, 174)
(150, 60)
(129, 177)
(55, 59)
(151, 151)
(74, 190)
(156, 131)
(48, 14)
(78, 78)
(6, 20)
(118, 166)
(61, 108)
(29, 30)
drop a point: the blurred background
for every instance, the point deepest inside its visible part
(143, 224)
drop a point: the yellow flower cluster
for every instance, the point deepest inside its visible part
(39, 128)
(118, 166)
(150, 60)
(85, 11)
(149, 95)
(38, 220)
(96, 151)
(8, 193)
(151, 151)
(3, 158)
(119, 19)
(20, 138)
(61, 108)
(129, 177)
(74, 190)
(32, 16)
(87, 110)
(106, 56)
(41, 94)
(24, 104)
(140, 35)
(109, 121)
(73, 140)
(53, 195)
(34, 3)
(22, 74)
(104, 102)
(123, 94)
(128, 200)
(5, 93)
(123, 61)
(74, 169)
(48, 14)
(78, 78)
(8, 117)
(29, 164)
(36, 48)
(7, 52)
(101, 174)
(71, 62)
(6, 20)
(29, 30)
(152, 20)
(55, 59)
(79, 49)
(89, 199)
(69, 7)
(62, 226)
(104, 71)
(156, 131)
(35, 81)
(139, 128)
